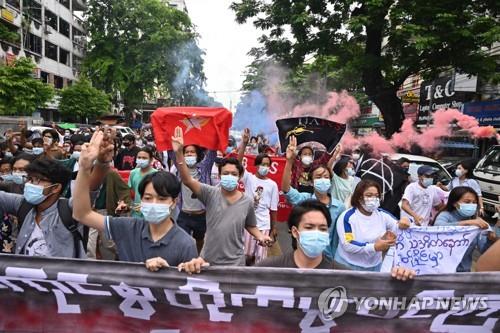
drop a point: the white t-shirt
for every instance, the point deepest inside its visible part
(36, 245)
(455, 182)
(358, 234)
(265, 195)
(421, 201)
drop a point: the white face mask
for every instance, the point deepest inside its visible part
(307, 160)
(371, 204)
(356, 156)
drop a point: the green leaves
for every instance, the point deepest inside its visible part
(83, 100)
(133, 49)
(20, 92)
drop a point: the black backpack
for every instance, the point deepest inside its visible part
(66, 216)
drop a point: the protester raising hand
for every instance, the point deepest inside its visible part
(291, 149)
(177, 140)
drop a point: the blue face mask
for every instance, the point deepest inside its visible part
(351, 172)
(313, 242)
(75, 155)
(155, 213)
(19, 177)
(190, 161)
(229, 182)
(37, 150)
(8, 154)
(34, 193)
(322, 185)
(7, 177)
(229, 150)
(467, 209)
(263, 170)
(426, 182)
(142, 163)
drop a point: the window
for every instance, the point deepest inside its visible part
(33, 43)
(63, 27)
(65, 3)
(50, 50)
(77, 62)
(44, 77)
(64, 57)
(58, 82)
(14, 4)
(50, 19)
(32, 9)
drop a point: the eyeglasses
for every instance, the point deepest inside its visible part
(36, 180)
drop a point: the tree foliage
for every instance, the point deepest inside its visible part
(20, 92)
(83, 100)
(135, 50)
(383, 41)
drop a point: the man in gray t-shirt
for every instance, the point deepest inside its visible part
(225, 221)
(229, 212)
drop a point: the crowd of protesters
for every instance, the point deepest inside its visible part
(63, 194)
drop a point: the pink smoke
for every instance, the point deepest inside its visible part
(379, 144)
(349, 141)
(339, 107)
(406, 137)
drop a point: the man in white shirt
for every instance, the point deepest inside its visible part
(265, 195)
(420, 197)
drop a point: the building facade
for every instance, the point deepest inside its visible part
(48, 31)
(178, 4)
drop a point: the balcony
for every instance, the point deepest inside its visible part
(79, 5)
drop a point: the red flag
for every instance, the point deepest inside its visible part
(206, 127)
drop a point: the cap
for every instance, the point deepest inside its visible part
(426, 170)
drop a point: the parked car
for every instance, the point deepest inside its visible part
(487, 173)
(416, 161)
(123, 130)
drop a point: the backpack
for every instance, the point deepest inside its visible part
(66, 216)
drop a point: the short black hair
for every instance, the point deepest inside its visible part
(164, 183)
(53, 133)
(147, 150)
(305, 147)
(51, 169)
(6, 161)
(37, 140)
(26, 157)
(260, 158)
(305, 207)
(403, 160)
(200, 152)
(233, 161)
(321, 166)
(341, 165)
(129, 137)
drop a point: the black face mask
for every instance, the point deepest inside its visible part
(218, 160)
(126, 144)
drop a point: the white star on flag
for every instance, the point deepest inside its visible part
(194, 122)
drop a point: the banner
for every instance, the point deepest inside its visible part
(62, 295)
(276, 174)
(206, 127)
(310, 129)
(433, 250)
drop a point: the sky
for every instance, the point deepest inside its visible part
(226, 44)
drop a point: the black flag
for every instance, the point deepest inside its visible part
(310, 129)
(391, 178)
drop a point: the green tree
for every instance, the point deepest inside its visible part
(385, 41)
(135, 50)
(20, 92)
(83, 100)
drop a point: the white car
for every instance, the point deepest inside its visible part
(487, 173)
(124, 130)
(417, 161)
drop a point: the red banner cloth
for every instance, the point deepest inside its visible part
(206, 127)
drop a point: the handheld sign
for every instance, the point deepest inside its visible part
(433, 250)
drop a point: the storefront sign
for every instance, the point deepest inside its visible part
(487, 112)
(7, 15)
